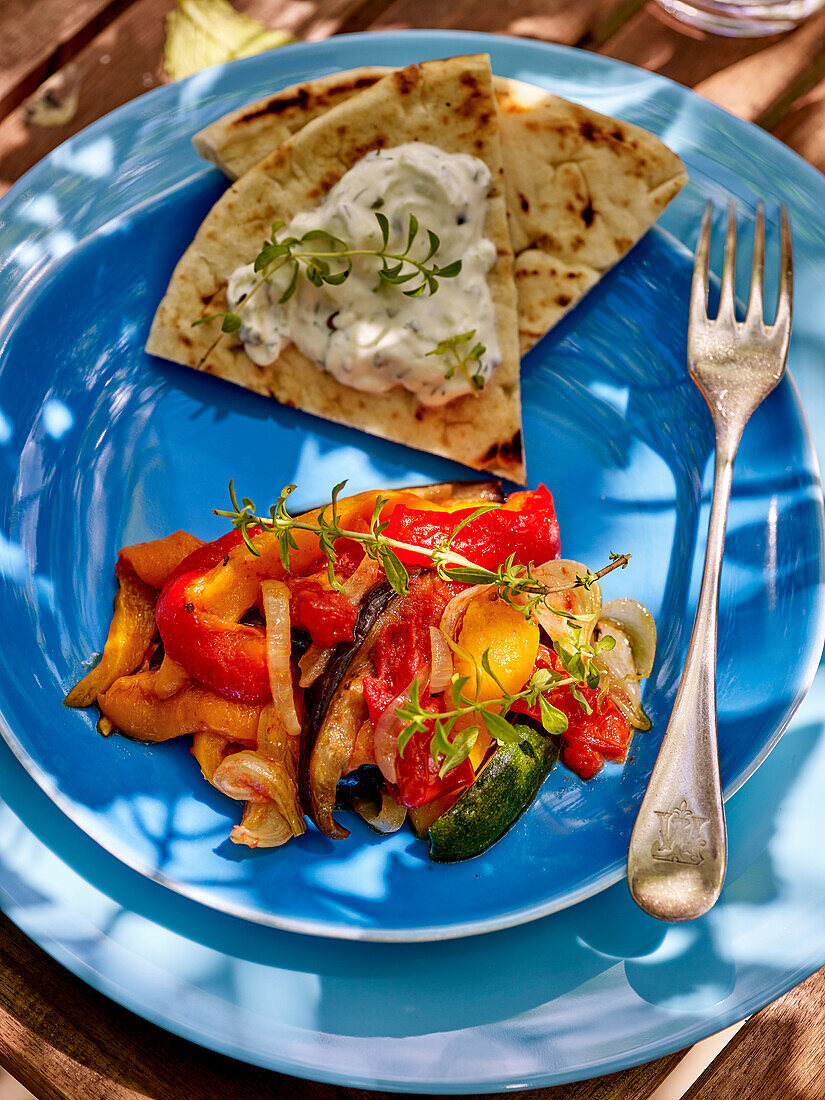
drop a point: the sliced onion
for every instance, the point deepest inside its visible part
(441, 661)
(621, 674)
(248, 777)
(454, 611)
(317, 657)
(262, 826)
(313, 663)
(638, 625)
(386, 817)
(278, 651)
(388, 729)
(274, 743)
(386, 738)
(561, 574)
(362, 579)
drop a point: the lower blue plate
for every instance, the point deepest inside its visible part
(585, 991)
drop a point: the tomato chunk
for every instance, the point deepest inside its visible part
(418, 778)
(402, 652)
(589, 739)
(327, 615)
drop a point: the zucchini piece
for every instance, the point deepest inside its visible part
(499, 796)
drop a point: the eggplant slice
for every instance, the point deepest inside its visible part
(335, 709)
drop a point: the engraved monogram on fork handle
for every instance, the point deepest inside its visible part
(678, 849)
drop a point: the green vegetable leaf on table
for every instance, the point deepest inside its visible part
(200, 33)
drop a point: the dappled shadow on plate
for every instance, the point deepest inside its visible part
(536, 977)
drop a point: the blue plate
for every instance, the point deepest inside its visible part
(108, 446)
(586, 991)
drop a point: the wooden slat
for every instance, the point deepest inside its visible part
(765, 84)
(655, 42)
(779, 1054)
(63, 1041)
(549, 20)
(803, 127)
(637, 1083)
(118, 64)
(749, 77)
(126, 59)
(41, 35)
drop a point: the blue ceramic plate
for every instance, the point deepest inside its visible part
(586, 991)
(104, 446)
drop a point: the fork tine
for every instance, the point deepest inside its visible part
(699, 286)
(785, 307)
(727, 307)
(756, 298)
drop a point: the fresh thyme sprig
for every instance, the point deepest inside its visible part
(451, 742)
(515, 584)
(467, 362)
(451, 745)
(324, 258)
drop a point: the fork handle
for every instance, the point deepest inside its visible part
(678, 849)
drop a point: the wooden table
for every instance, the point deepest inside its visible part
(58, 1037)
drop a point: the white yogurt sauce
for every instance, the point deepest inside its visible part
(373, 337)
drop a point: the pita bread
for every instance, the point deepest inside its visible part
(445, 103)
(237, 141)
(582, 188)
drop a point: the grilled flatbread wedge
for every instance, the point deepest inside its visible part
(582, 188)
(445, 103)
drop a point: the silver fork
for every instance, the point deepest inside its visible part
(678, 850)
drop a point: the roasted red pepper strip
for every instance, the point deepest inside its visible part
(228, 658)
(589, 739)
(525, 525)
(329, 616)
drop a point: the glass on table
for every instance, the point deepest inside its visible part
(742, 18)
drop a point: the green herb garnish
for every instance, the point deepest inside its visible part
(516, 584)
(466, 362)
(455, 746)
(326, 259)
(580, 671)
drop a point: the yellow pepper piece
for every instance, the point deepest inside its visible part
(131, 631)
(511, 642)
(208, 749)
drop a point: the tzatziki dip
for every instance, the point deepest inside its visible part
(369, 335)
